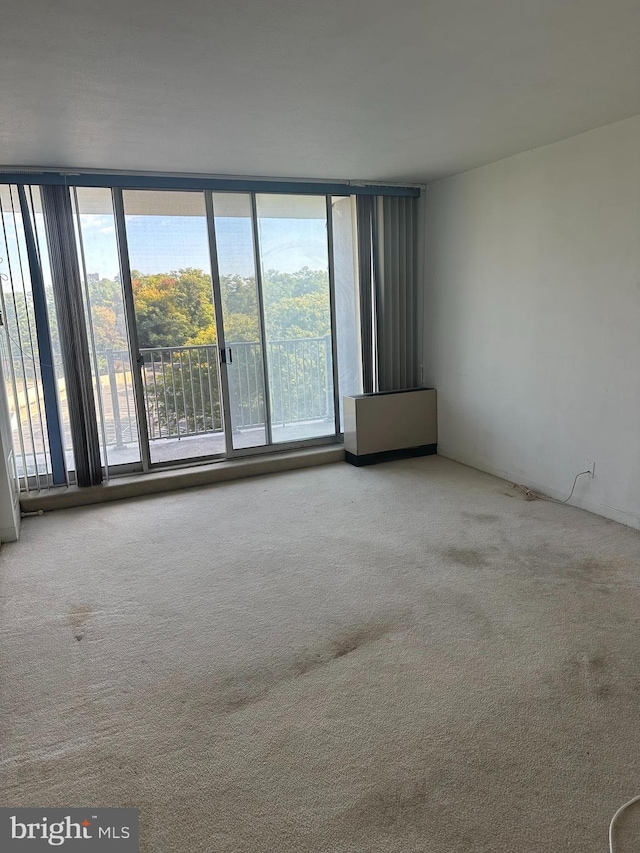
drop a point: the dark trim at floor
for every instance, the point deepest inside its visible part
(388, 455)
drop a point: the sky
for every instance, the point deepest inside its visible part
(166, 243)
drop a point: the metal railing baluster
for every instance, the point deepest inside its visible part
(173, 389)
(300, 372)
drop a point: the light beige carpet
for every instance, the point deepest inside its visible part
(406, 657)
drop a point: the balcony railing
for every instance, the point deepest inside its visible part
(182, 395)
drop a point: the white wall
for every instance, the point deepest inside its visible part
(532, 317)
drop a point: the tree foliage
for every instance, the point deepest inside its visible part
(176, 308)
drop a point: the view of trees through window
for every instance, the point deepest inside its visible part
(176, 330)
(176, 308)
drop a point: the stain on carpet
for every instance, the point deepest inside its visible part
(472, 558)
(77, 618)
(231, 691)
(586, 675)
(346, 643)
(350, 641)
(595, 571)
(386, 806)
(481, 517)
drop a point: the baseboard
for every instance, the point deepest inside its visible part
(389, 455)
(604, 510)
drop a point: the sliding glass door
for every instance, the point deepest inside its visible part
(177, 337)
(197, 319)
(244, 364)
(294, 266)
(231, 319)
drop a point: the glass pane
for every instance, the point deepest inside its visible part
(171, 278)
(295, 278)
(236, 266)
(106, 326)
(346, 299)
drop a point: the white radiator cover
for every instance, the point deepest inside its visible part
(392, 423)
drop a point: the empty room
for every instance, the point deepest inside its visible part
(320, 426)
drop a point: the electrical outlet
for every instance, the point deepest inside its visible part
(590, 466)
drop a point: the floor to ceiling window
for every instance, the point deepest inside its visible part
(169, 269)
(219, 323)
(228, 346)
(106, 322)
(294, 260)
(235, 245)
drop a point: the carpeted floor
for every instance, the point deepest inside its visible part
(406, 657)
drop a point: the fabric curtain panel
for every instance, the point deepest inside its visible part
(67, 289)
(388, 291)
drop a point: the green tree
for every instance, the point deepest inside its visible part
(170, 307)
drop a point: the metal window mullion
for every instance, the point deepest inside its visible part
(334, 321)
(226, 416)
(261, 319)
(92, 339)
(132, 330)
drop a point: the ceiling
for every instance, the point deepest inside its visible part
(403, 91)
